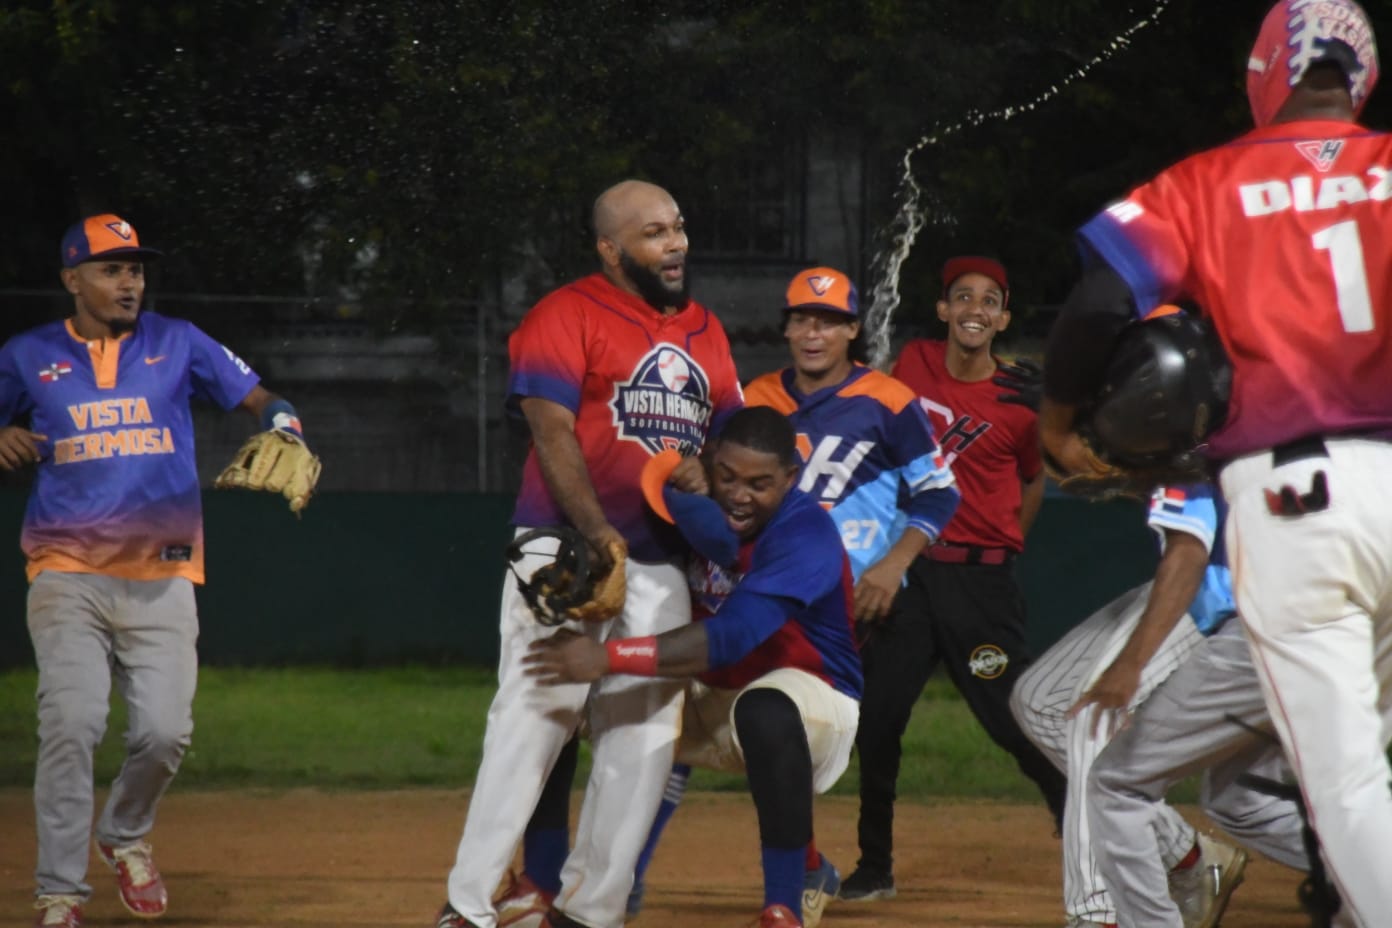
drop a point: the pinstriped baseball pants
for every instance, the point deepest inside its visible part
(1183, 728)
(1040, 702)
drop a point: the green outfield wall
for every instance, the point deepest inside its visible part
(370, 578)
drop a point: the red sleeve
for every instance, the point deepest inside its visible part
(547, 352)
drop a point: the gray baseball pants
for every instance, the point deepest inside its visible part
(89, 630)
(1183, 729)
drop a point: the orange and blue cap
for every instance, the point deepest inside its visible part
(823, 288)
(103, 237)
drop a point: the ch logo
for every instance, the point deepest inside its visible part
(823, 461)
(960, 433)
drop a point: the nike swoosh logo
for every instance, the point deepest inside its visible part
(155, 360)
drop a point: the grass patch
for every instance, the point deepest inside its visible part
(414, 726)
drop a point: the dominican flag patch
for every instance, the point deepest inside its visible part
(54, 371)
(1169, 499)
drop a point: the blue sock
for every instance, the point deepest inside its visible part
(543, 853)
(671, 798)
(784, 873)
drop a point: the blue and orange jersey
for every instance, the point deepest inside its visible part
(991, 446)
(116, 491)
(638, 383)
(787, 602)
(868, 452)
(1279, 236)
(1196, 509)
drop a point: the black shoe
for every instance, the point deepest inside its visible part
(558, 919)
(450, 918)
(866, 886)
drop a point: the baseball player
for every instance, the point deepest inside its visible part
(1282, 238)
(779, 678)
(113, 538)
(863, 441)
(962, 607)
(1190, 725)
(1076, 695)
(608, 371)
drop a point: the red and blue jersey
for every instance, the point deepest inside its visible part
(638, 383)
(116, 491)
(868, 452)
(1281, 236)
(787, 602)
(991, 446)
(1196, 509)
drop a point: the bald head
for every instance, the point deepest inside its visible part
(641, 239)
(625, 204)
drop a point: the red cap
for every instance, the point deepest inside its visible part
(1297, 34)
(103, 237)
(823, 288)
(974, 264)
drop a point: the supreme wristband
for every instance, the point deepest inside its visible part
(635, 656)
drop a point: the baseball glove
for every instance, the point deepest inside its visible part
(571, 586)
(276, 461)
(1107, 481)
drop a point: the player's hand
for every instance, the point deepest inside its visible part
(566, 657)
(19, 446)
(600, 540)
(1023, 381)
(875, 592)
(1112, 695)
(690, 477)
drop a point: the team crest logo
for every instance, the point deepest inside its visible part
(821, 283)
(1321, 154)
(665, 404)
(988, 662)
(120, 229)
(54, 371)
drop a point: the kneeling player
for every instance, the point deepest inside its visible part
(773, 650)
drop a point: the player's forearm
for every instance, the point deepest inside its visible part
(1080, 341)
(1031, 498)
(902, 553)
(563, 466)
(1177, 580)
(682, 652)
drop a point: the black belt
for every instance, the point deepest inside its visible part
(1310, 447)
(946, 552)
(1313, 446)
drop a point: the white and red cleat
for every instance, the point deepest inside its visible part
(142, 888)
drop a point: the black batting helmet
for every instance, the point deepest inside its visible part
(1166, 390)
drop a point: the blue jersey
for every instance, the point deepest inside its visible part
(1197, 510)
(787, 602)
(116, 491)
(866, 447)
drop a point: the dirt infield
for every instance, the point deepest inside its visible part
(312, 859)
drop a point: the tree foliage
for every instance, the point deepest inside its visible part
(416, 153)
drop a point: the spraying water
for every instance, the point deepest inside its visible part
(912, 214)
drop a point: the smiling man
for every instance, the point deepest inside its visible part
(961, 608)
(778, 675)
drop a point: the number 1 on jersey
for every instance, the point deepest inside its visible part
(1345, 249)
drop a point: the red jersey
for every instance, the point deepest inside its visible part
(1284, 237)
(638, 383)
(991, 446)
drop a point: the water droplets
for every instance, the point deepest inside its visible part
(913, 213)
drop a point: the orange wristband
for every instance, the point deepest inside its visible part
(634, 656)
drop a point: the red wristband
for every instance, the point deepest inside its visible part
(634, 656)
